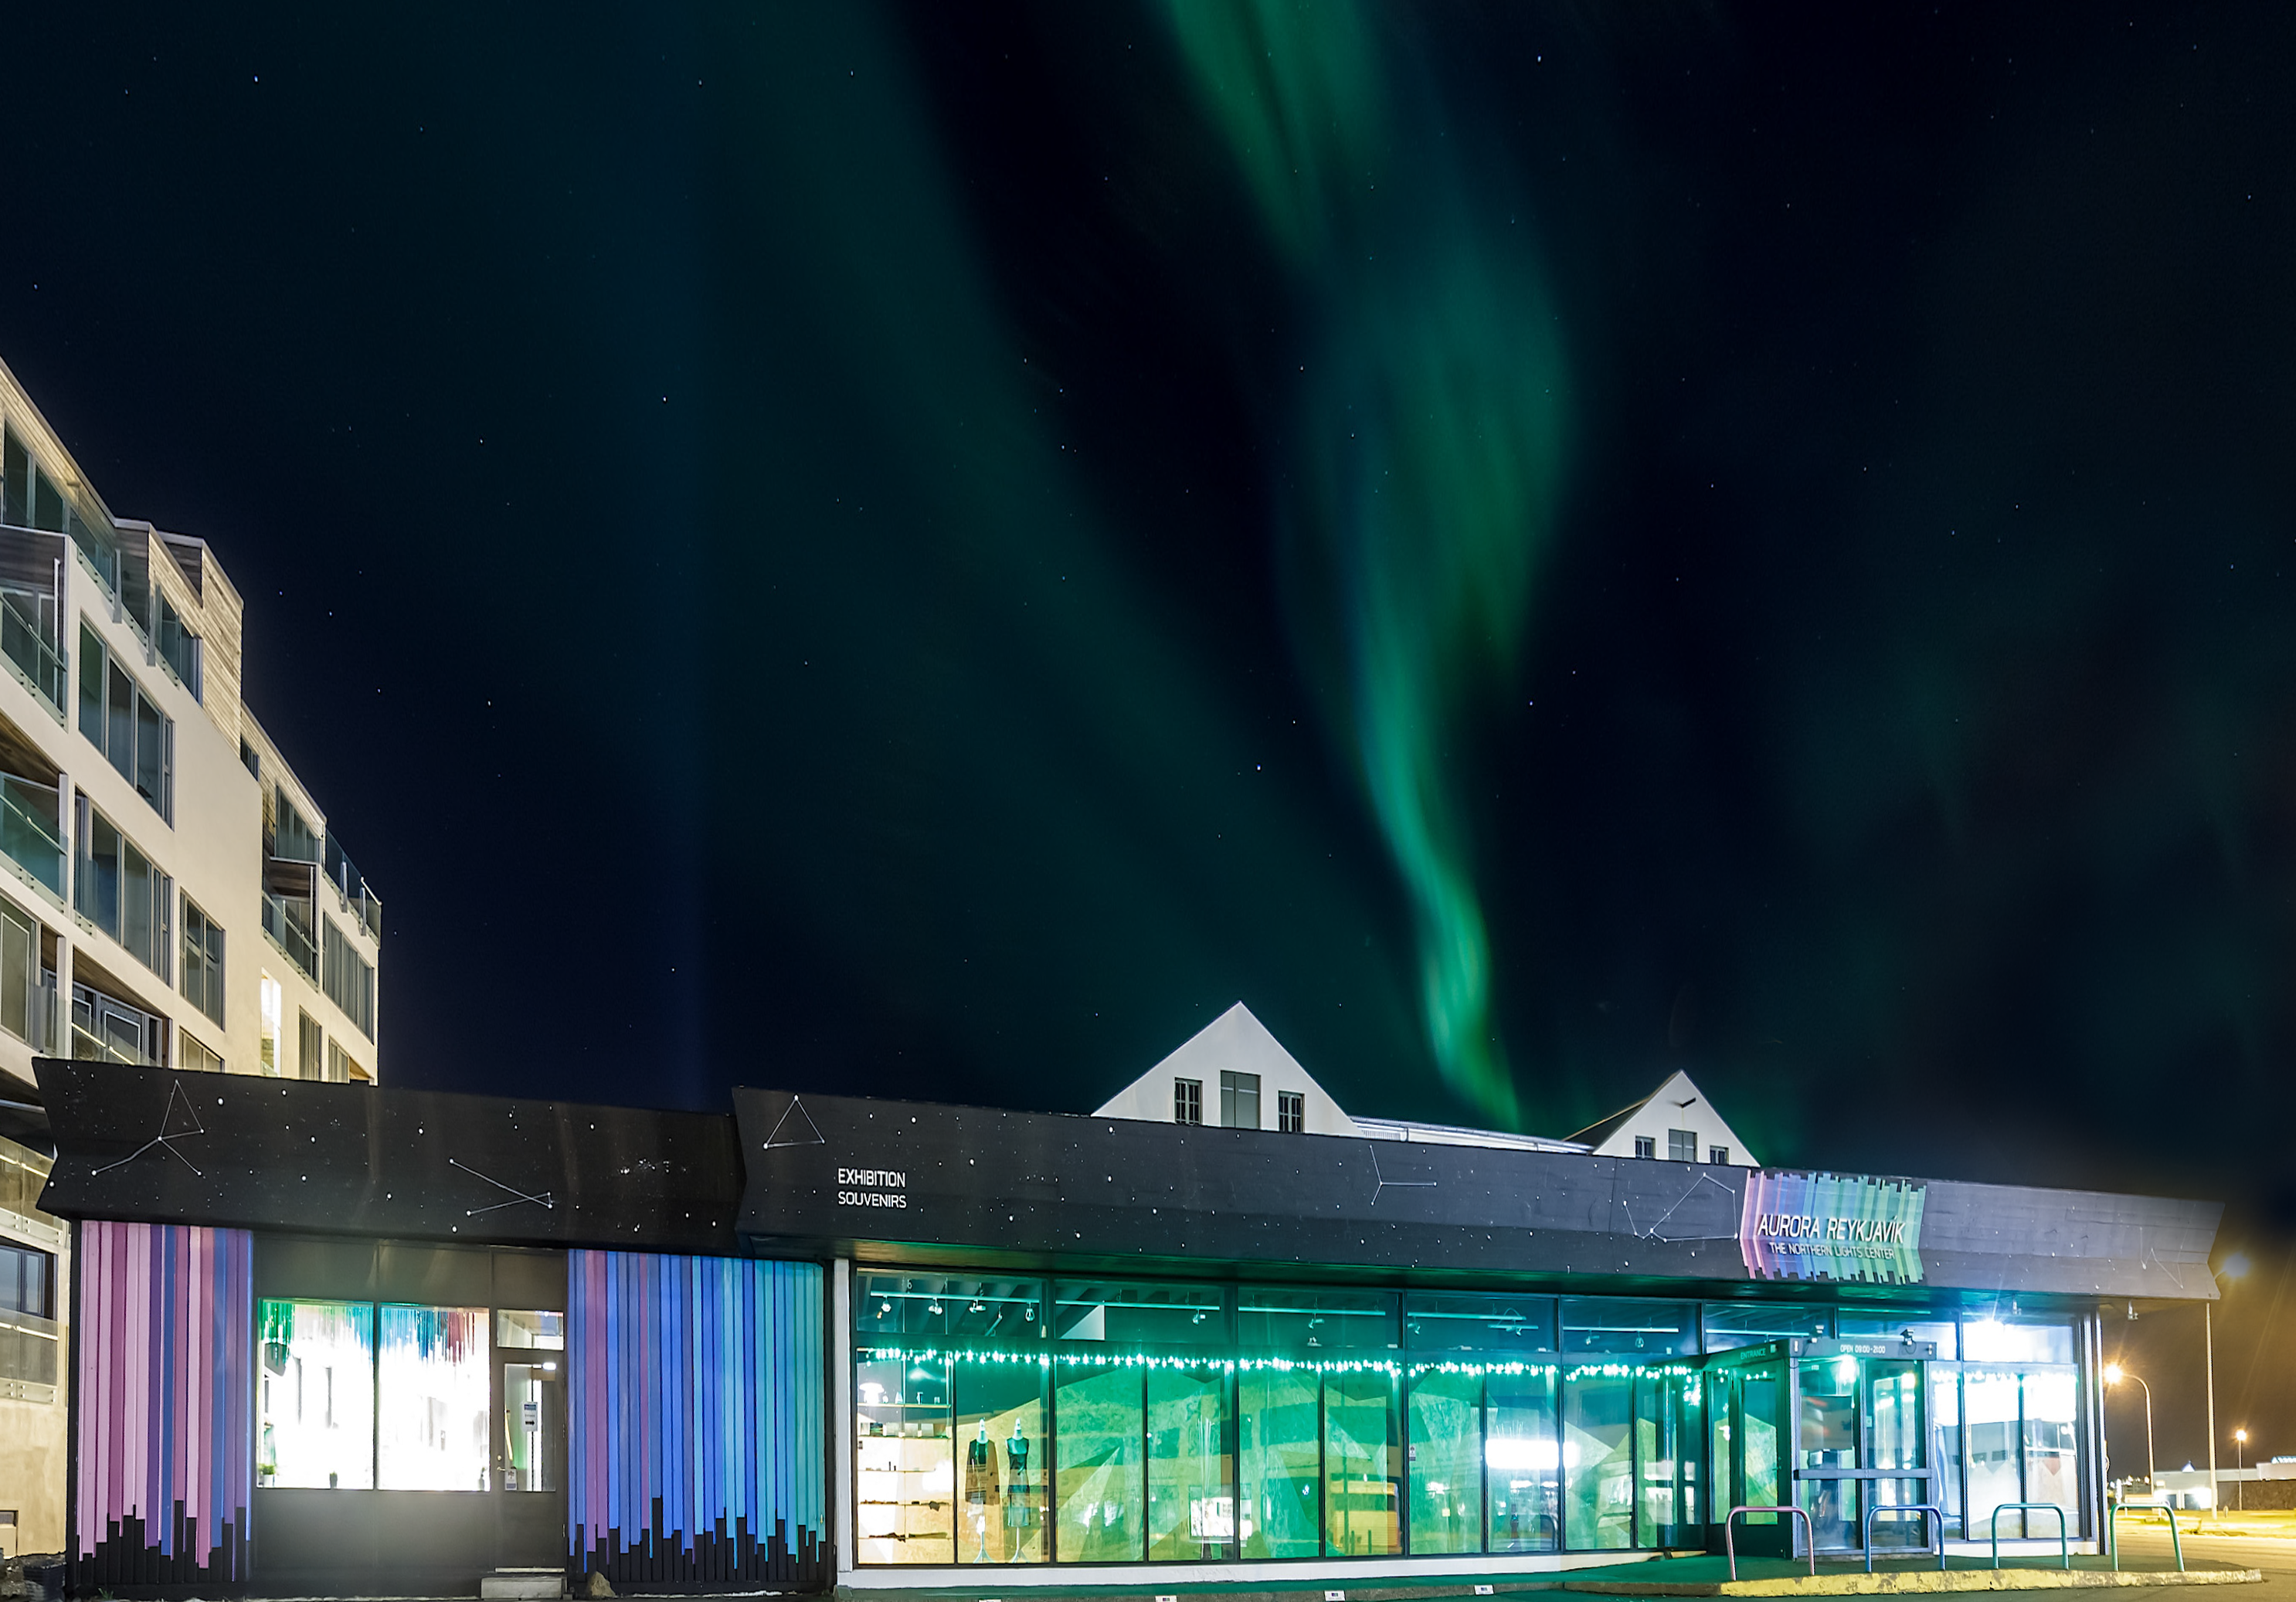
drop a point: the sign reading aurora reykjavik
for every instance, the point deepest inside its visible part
(1832, 1226)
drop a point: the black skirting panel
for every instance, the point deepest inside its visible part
(715, 1558)
(128, 1559)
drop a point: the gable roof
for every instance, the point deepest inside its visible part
(1237, 1042)
(1676, 1103)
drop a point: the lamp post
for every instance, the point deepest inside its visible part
(2239, 1463)
(2113, 1375)
(2235, 1266)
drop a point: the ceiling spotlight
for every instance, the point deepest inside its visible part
(934, 1308)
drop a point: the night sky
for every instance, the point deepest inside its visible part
(927, 551)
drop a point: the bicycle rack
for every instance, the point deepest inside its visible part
(2064, 1543)
(1730, 1530)
(2112, 1512)
(1931, 1509)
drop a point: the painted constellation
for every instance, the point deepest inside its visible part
(811, 1137)
(1385, 1183)
(169, 1135)
(542, 1200)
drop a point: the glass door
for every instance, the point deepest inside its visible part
(1827, 1454)
(530, 1437)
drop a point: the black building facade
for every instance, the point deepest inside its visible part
(372, 1338)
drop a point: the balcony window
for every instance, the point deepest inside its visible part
(196, 1056)
(28, 828)
(31, 498)
(202, 961)
(311, 1047)
(267, 1047)
(27, 991)
(27, 614)
(350, 981)
(123, 723)
(105, 1029)
(291, 913)
(179, 649)
(116, 888)
(342, 1068)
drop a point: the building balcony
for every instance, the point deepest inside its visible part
(290, 911)
(106, 1029)
(30, 564)
(29, 835)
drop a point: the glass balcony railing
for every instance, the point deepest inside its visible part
(33, 651)
(29, 833)
(288, 933)
(105, 1030)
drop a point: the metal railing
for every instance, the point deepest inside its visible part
(289, 937)
(1730, 1531)
(2112, 1512)
(1931, 1508)
(29, 833)
(2064, 1543)
(35, 656)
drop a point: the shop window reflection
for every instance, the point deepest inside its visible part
(905, 1481)
(1990, 1408)
(1524, 1463)
(2050, 1456)
(314, 1395)
(433, 1391)
(1361, 1501)
(1597, 1461)
(1280, 1460)
(1096, 1415)
(1191, 1509)
(1446, 1462)
(1000, 1418)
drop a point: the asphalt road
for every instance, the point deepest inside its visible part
(2275, 1556)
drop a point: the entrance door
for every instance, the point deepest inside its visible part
(530, 1450)
(1747, 1404)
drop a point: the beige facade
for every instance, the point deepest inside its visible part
(170, 893)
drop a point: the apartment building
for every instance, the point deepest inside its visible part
(171, 894)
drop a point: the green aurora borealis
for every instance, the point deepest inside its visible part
(1533, 545)
(1429, 443)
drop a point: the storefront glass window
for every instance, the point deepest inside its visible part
(1155, 1314)
(1289, 1320)
(1000, 1418)
(314, 1395)
(1730, 1325)
(1280, 1460)
(1667, 1429)
(1191, 1509)
(1598, 1468)
(1446, 1462)
(534, 1400)
(2050, 1457)
(1362, 1460)
(433, 1391)
(1989, 1407)
(1764, 1393)
(1827, 1439)
(1992, 1341)
(1644, 1329)
(1476, 1323)
(1523, 1462)
(906, 1483)
(1946, 1445)
(1097, 1416)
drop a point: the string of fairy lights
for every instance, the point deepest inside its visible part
(1403, 1368)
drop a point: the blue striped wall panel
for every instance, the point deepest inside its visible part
(695, 1418)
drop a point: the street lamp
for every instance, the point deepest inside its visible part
(2113, 1375)
(2239, 1463)
(2235, 1266)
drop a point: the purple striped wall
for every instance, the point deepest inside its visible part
(696, 1419)
(165, 1448)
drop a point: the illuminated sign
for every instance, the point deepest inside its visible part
(1832, 1226)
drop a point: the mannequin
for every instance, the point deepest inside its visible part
(1019, 1515)
(979, 1489)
